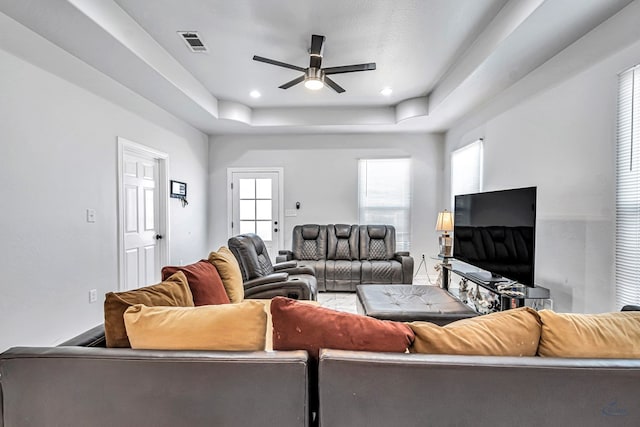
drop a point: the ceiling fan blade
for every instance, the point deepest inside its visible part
(293, 82)
(333, 85)
(350, 68)
(317, 44)
(278, 63)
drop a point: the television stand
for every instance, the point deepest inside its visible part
(507, 300)
(486, 277)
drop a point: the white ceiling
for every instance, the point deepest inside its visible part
(442, 58)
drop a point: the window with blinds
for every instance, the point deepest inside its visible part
(466, 170)
(384, 196)
(628, 189)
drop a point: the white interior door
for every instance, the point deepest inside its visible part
(141, 260)
(143, 214)
(255, 206)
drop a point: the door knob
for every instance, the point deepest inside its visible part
(275, 230)
(158, 236)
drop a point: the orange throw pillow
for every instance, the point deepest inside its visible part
(299, 326)
(204, 281)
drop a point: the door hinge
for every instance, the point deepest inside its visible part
(232, 185)
(232, 225)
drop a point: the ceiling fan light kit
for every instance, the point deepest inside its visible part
(313, 84)
(315, 77)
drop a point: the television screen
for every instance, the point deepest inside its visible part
(496, 231)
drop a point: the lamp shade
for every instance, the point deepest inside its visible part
(445, 221)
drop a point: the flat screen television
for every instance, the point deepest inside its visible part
(496, 232)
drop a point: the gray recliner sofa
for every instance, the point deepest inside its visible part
(261, 279)
(345, 256)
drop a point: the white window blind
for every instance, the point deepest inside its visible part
(384, 196)
(628, 189)
(466, 170)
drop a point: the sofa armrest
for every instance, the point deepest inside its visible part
(271, 278)
(284, 255)
(407, 266)
(284, 265)
(303, 269)
(292, 268)
(94, 337)
(294, 289)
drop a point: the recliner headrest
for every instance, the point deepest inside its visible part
(258, 243)
(377, 231)
(343, 230)
(310, 231)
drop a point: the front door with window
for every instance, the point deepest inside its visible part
(255, 206)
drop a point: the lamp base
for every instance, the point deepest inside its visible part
(446, 245)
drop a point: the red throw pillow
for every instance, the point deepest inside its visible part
(299, 326)
(204, 281)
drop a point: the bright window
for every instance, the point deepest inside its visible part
(466, 170)
(628, 189)
(384, 194)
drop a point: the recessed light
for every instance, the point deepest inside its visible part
(386, 91)
(255, 94)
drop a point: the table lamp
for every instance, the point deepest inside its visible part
(445, 224)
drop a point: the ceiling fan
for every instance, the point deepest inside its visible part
(315, 77)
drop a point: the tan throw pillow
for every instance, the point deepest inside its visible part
(506, 333)
(172, 292)
(229, 270)
(606, 335)
(229, 327)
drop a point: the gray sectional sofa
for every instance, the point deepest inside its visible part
(344, 256)
(80, 385)
(362, 389)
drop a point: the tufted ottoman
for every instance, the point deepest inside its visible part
(407, 303)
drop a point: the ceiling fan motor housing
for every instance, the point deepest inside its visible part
(315, 73)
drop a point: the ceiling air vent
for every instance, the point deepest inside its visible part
(193, 41)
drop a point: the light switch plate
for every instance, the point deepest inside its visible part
(91, 215)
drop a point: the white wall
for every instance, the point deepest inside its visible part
(58, 157)
(321, 172)
(560, 137)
